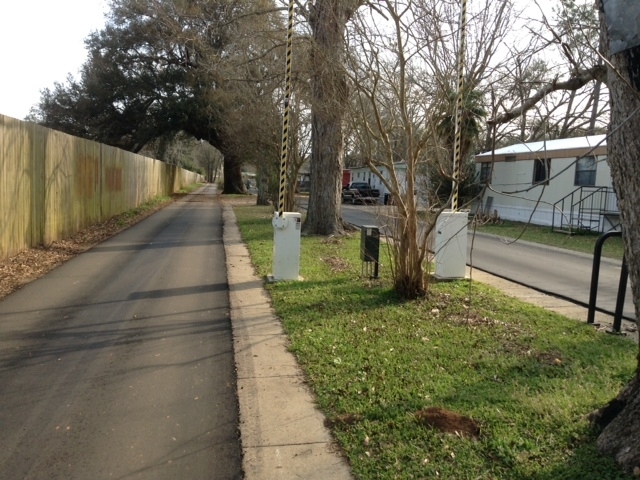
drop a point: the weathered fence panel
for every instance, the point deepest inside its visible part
(58, 177)
(37, 141)
(15, 186)
(53, 184)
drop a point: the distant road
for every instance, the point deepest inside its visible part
(119, 364)
(558, 272)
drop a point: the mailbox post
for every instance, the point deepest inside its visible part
(370, 250)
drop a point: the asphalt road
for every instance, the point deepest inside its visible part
(558, 272)
(119, 364)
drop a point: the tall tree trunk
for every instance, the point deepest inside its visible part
(232, 175)
(328, 19)
(262, 182)
(324, 215)
(620, 419)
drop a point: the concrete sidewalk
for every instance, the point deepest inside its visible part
(282, 432)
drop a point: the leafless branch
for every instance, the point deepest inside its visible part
(576, 82)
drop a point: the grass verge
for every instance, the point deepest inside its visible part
(528, 376)
(190, 188)
(131, 216)
(583, 242)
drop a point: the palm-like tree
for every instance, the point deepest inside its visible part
(440, 172)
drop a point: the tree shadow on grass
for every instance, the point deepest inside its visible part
(585, 463)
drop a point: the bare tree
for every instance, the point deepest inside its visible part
(388, 116)
(403, 72)
(210, 160)
(554, 87)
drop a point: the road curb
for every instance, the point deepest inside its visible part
(282, 432)
(564, 307)
(542, 246)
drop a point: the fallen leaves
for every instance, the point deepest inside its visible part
(33, 263)
(336, 264)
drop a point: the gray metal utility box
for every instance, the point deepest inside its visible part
(370, 243)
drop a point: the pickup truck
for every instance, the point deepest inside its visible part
(360, 192)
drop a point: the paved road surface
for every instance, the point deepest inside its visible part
(119, 364)
(558, 272)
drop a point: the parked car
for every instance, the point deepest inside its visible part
(360, 192)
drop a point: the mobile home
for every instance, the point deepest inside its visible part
(563, 183)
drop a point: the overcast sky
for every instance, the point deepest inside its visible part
(41, 41)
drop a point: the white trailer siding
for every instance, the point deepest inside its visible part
(512, 191)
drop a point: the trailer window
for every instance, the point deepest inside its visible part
(586, 171)
(485, 172)
(541, 169)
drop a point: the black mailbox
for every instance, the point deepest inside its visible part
(370, 243)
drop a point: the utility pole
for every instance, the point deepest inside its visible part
(286, 237)
(451, 226)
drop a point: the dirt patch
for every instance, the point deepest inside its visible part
(449, 422)
(336, 264)
(332, 240)
(552, 358)
(343, 419)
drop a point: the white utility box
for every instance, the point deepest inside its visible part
(450, 245)
(286, 246)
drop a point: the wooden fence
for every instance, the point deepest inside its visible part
(53, 184)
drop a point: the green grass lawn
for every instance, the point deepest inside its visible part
(528, 376)
(584, 242)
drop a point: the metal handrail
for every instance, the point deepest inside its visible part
(595, 275)
(599, 196)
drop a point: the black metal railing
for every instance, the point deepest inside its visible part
(595, 275)
(584, 209)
